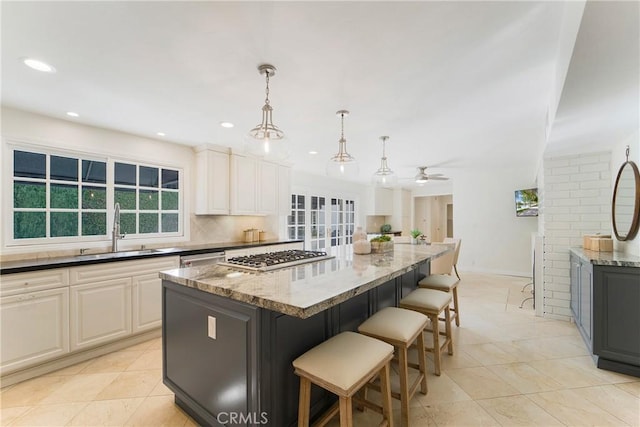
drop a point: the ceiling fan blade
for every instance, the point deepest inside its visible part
(438, 178)
(431, 175)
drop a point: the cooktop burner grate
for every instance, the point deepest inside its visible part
(274, 260)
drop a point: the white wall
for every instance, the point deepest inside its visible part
(38, 130)
(484, 216)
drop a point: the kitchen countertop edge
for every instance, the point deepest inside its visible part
(616, 259)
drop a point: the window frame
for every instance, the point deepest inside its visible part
(11, 243)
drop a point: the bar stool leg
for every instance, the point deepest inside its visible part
(435, 327)
(304, 402)
(385, 390)
(346, 416)
(455, 305)
(422, 362)
(404, 386)
(448, 331)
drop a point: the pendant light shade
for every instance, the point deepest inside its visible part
(266, 132)
(342, 164)
(384, 176)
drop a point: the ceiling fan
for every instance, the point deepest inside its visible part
(422, 176)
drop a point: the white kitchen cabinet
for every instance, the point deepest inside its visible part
(212, 180)
(268, 188)
(284, 190)
(380, 201)
(18, 283)
(244, 185)
(100, 312)
(147, 302)
(35, 328)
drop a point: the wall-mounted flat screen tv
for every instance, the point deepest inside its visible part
(527, 202)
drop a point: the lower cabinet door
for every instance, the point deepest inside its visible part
(147, 302)
(100, 312)
(34, 328)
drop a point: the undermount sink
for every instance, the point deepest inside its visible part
(122, 254)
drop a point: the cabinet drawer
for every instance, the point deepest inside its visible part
(18, 283)
(115, 270)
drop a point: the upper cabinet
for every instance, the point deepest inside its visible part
(380, 201)
(244, 185)
(212, 180)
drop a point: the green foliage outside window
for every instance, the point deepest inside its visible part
(94, 198)
(94, 223)
(63, 197)
(148, 223)
(148, 200)
(29, 225)
(128, 223)
(126, 197)
(29, 195)
(64, 224)
(170, 200)
(169, 223)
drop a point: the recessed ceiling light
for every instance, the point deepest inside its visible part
(313, 152)
(226, 124)
(72, 114)
(161, 134)
(39, 65)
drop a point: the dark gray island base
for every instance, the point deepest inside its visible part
(229, 362)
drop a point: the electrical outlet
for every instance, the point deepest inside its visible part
(211, 323)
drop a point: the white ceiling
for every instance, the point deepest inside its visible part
(453, 84)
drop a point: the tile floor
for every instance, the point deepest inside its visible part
(509, 368)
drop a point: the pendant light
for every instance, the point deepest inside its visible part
(342, 164)
(266, 131)
(384, 176)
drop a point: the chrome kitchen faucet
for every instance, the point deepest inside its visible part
(115, 233)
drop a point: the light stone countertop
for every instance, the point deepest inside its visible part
(607, 258)
(304, 290)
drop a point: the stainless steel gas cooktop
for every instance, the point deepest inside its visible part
(275, 260)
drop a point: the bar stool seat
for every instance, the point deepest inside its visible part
(444, 283)
(431, 303)
(343, 365)
(401, 328)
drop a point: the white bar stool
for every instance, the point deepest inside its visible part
(431, 303)
(401, 328)
(343, 365)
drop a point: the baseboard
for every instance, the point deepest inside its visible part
(463, 269)
(76, 357)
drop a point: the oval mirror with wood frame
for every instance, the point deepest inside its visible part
(625, 207)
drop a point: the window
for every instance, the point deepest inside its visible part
(57, 197)
(296, 220)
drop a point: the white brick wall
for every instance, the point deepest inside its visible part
(576, 200)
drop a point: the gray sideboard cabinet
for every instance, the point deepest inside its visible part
(605, 301)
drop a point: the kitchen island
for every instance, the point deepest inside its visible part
(229, 336)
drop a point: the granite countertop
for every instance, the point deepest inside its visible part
(307, 289)
(43, 263)
(607, 258)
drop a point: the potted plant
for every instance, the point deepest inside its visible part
(414, 236)
(381, 244)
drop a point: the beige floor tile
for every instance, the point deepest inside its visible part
(160, 389)
(567, 373)
(143, 346)
(613, 400)
(481, 383)
(8, 415)
(70, 370)
(442, 389)
(157, 411)
(572, 409)
(610, 377)
(31, 392)
(106, 412)
(156, 344)
(489, 354)
(131, 384)
(459, 359)
(80, 388)
(149, 360)
(112, 362)
(518, 411)
(633, 388)
(464, 413)
(418, 417)
(49, 415)
(525, 378)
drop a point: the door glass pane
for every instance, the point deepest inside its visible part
(128, 223)
(148, 200)
(148, 177)
(64, 168)
(125, 174)
(29, 195)
(170, 179)
(126, 197)
(64, 224)
(148, 223)
(170, 200)
(64, 197)
(29, 165)
(94, 198)
(95, 223)
(93, 171)
(169, 222)
(29, 225)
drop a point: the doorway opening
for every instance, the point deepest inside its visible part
(433, 215)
